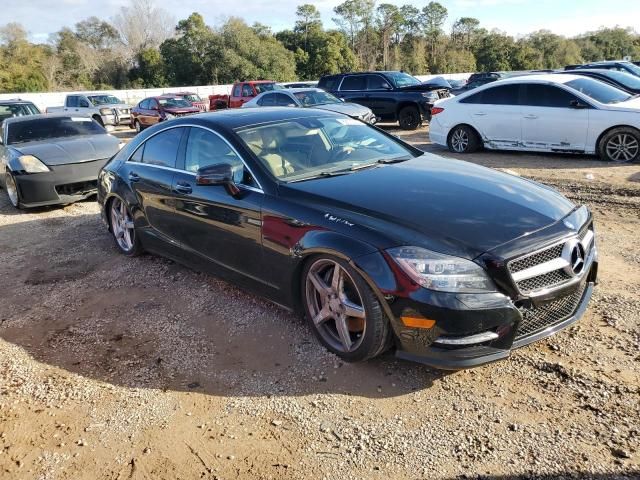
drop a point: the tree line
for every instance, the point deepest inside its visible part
(143, 46)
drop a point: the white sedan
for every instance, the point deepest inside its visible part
(544, 113)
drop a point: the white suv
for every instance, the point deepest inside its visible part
(546, 113)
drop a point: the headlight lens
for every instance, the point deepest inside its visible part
(443, 273)
(106, 111)
(31, 164)
(430, 96)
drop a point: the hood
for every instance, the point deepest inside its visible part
(435, 83)
(61, 151)
(351, 109)
(449, 206)
(179, 110)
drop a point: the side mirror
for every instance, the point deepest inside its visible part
(577, 104)
(220, 174)
(387, 87)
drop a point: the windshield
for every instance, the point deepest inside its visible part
(104, 100)
(174, 102)
(633, 68)
(266, 87)
(625, 79)
(315, 97)
(17, 110)
(599, 91)
(299, 149)
(192, 97)
(52, 127)
(402, 79)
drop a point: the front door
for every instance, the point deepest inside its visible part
(210, 221)
(550, 120)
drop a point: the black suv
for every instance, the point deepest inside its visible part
(392, 96)
(620, 65)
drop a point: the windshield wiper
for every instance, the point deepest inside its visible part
(325, 174)
(387, 161)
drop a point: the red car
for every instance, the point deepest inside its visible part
(153, 110)
(195, 100)
(241, 93)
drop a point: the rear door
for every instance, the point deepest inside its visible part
(550, 122)
(209, 221)
(150, 173)
(496, 114)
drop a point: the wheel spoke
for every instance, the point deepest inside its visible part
(343, 332)
(336, 278)
(321, 287)
(352, 310)
(128, 224)
(323, 315)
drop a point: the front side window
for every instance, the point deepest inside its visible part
(237, 91)
(598, 91)
(145, 104)
(72, 101)
(538, 95)
(299, 149)
(376, 82)
(162, 149)
(354, 82)
(266, 87)
(50, 128)
(205, 149)
(247, 91)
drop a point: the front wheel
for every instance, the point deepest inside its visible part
(342, 310)
(123, 230)
(11, 188)
(463, 139)
(137, 126)
(409, 118)
(620, 145)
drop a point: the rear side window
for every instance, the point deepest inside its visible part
(162, 149)
(537, 95)
(266, 100)
(329, 83)
(282, 100)
(72, 101)
(354, 82)
(499, 95)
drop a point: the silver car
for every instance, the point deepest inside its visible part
(311, 97)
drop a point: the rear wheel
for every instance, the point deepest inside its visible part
(409, 117)
(11, 188)
(137, 126)
(463, 139)
(122, 228)
(620, 145)
(342, 310)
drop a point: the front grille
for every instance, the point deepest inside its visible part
(443, 93)
(536, 319)
(530, 282)
(78, 188)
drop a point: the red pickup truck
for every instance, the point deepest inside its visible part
(240, 93)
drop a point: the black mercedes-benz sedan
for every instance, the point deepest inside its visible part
(52, 159)
(378, 244)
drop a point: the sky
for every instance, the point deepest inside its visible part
(516, 17)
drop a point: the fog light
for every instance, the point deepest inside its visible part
(417, 322)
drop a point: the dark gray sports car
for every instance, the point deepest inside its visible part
(52, 159)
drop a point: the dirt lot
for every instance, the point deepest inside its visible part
(117, 368)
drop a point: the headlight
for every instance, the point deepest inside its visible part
(31, 164)
(444, 273)
(106, 111)
(431, 96)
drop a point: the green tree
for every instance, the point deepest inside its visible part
(494, 51)
(150, 70)
(434, 16)
(389, 21)
(20, 61)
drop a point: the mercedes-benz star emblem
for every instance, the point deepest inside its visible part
(573, 253)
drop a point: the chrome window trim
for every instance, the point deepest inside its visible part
(192, 125)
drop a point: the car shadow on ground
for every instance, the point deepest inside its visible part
(77, 304)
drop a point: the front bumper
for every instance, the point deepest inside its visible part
(115, 120)
(63, 184)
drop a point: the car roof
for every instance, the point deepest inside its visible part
(237, 118)
(41, 116)
(538, 78)
(15, 100)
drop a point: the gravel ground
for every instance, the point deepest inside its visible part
(121, 368)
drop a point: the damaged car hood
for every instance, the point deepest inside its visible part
(61, 151)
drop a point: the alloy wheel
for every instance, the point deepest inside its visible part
(622, 147)
(335, 305)
(460, 140)
(12, 189)
(137, 126)
(122, 225)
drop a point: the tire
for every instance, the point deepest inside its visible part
(620, 145)
(12, 191)
(463, 139)
(136, 126)
(409, 117)
(122, 228)
(368, 331)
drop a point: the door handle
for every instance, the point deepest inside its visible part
(133, 177)
(479, 114)
(183, 187)
(531, 117)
